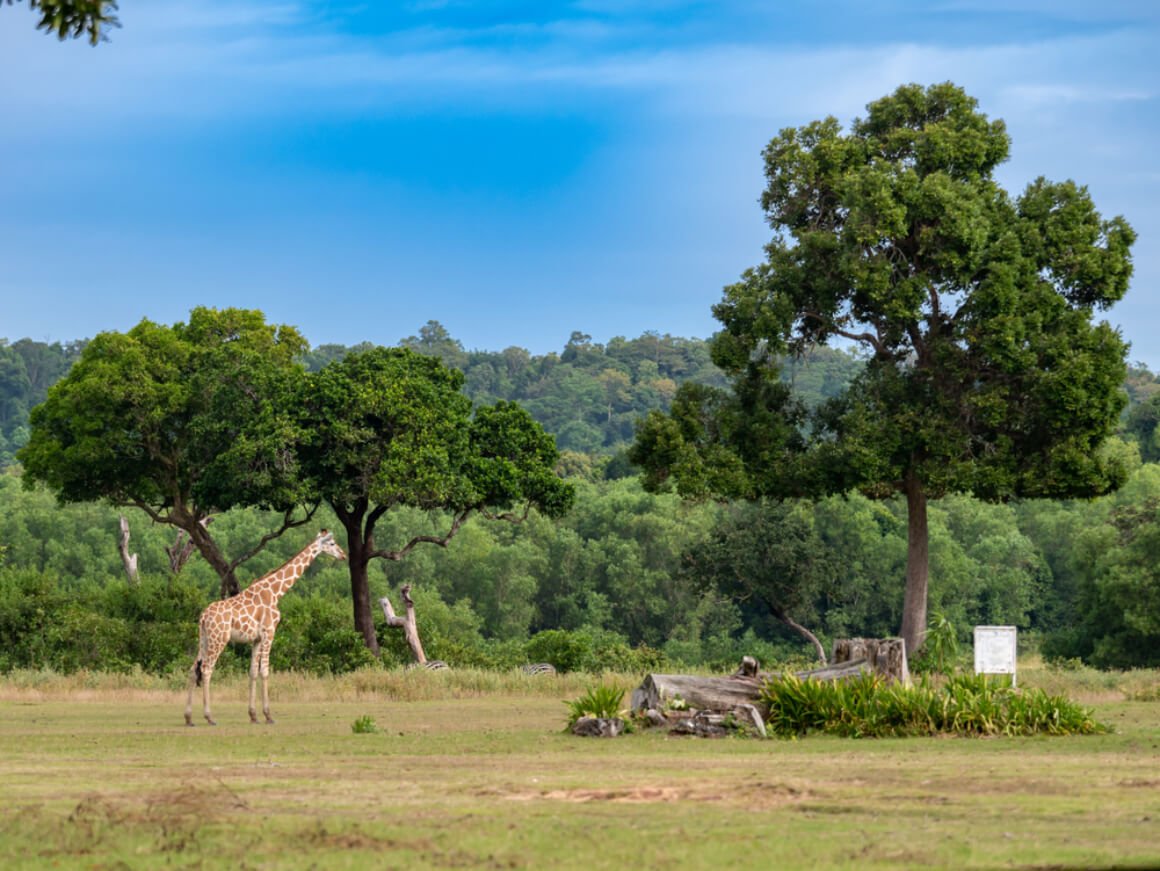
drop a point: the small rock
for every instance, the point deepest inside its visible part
(598, 727)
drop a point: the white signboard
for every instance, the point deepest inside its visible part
(995, 650)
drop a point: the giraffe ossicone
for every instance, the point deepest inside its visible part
(250, 617)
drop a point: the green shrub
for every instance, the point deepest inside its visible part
(315, 636)
(83, 639)
(599, 701)
(870, 706)
(29, 603)
(364, 725)
(567, 651)
(940, 648)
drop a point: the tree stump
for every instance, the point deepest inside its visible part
(886, 656)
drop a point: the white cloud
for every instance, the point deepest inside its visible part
(187, 59)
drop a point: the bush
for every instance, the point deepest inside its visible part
(364, 725)
(592, 650)
(870, 706)
(315, 635)
(600, 701)
(939, 653)
(567, 651)
(29, 603)
(83, 639)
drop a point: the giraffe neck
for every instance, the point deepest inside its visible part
(282, 579)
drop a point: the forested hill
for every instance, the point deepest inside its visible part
(589, 395)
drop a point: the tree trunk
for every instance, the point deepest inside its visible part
(408, 624)
(917, 566)
(129, 559)
(212, 554)
(358, 562)
(182, 548)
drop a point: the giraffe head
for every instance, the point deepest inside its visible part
(327, 544)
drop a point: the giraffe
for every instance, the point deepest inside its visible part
(250, 617)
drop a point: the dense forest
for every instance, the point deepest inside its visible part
(589, 396)
(626, 578)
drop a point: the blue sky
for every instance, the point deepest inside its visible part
(514, 170)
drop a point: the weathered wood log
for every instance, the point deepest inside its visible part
(407, 624)
(725, 693)
(852, 657)
(702, 693)
(129, 559)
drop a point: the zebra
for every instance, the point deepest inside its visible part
(429, 665)
(538, 668)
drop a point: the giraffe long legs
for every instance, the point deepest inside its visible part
(201, 673)
(193, 674)
(255, 658)
(260, 664)
(206, 672)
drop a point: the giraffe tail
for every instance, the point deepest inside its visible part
(197, 670)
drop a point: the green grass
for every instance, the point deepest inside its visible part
(474, 771)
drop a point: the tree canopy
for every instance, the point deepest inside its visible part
(986, 369)
(181, 422)
(71, 19)
(389, 428)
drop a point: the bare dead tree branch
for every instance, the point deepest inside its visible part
(129, 559)
(408, 624)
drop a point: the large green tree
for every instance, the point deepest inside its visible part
(769, 553)
(986, 369)
(390, 428)
(182, 422)
(74, 18)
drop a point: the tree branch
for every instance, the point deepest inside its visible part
(869, 338)
(287, 524)
(509, 516)
(442, 541)
(154, 515)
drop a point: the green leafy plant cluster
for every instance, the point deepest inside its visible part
(364, 725)
(583, 650)
(601, 701)
(940, 649)
(870, 706)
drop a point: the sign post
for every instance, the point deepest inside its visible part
(995, 650)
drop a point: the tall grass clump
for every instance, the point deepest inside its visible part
(870, 706)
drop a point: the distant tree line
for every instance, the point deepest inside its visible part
(628, 579)
(589, 395)
(627, 576)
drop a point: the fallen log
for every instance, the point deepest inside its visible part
(659, 691)
(852, 657)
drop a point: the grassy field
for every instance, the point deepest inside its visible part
(472, 770)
